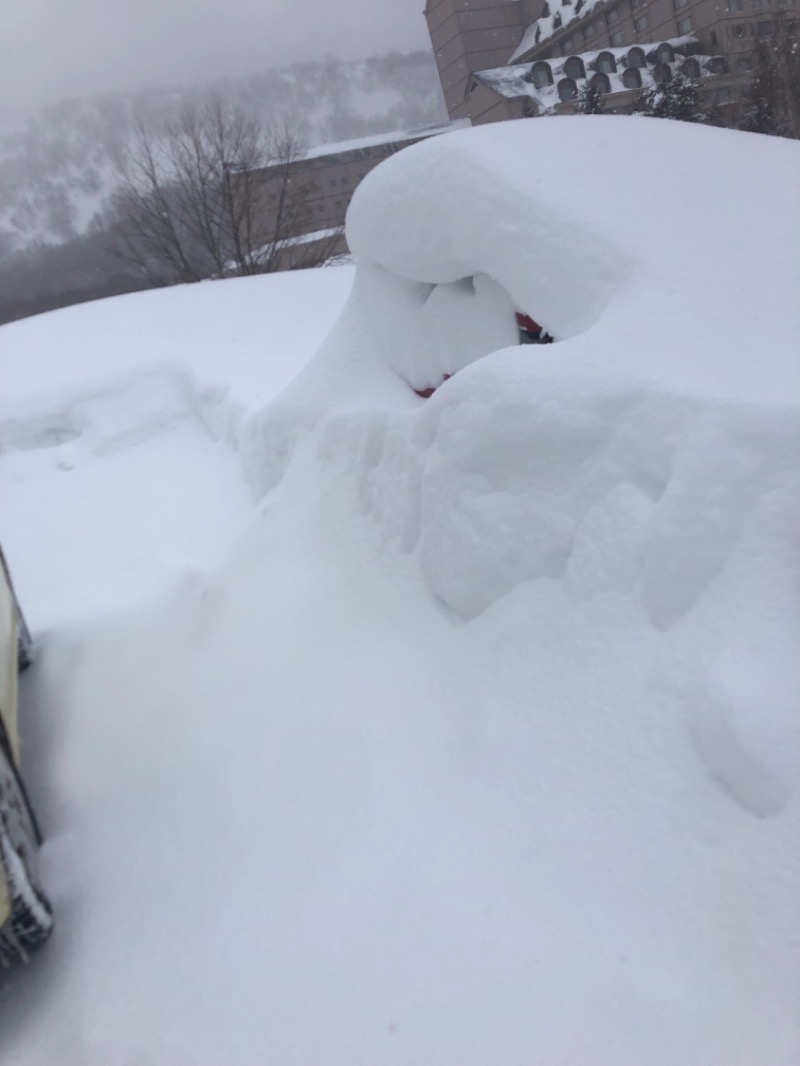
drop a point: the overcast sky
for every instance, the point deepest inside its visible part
(56, 49)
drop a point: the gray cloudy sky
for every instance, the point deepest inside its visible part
(55, 49)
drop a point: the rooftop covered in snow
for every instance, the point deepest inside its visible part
(375, 139)
(632, 67)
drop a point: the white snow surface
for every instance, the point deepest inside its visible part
(110, 391)
(453, 731)
(374, 139)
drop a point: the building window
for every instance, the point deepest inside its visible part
(712, 38)
(723, 96)
(588, 32)
(641, 22)
(616, 38)
(691, 69)
(738, 29)
(574, 68)
(345, 180)
(685, 25)
(632, 78)
(542, 75)
(661, 73)
(601, 83)
(734, 5)
(764, 29)
(566, 46)
(333, 182)
(636, 58)
(567, 89)
(758, 5)
(606, 63)
(743, 62)
(665, 53)
(612, 16)
(785, 3)
(680, 3)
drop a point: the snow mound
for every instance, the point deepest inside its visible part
(664, 415)
(642, 264)
(621, 505)
(109, 392)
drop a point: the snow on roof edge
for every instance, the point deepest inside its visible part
(509, 80)
(374, 139)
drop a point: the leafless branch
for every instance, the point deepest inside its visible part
(216, 195)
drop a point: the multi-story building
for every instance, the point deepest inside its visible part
(302, 203)
(500, 59)
(471, 36)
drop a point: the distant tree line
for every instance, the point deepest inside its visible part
(217, 194)
(57, 167)
(773, 100)
(45, 276)
(211, 195)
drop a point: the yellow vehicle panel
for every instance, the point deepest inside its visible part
(25, 913)
(8, 696)
(5, 900)
(8, 662)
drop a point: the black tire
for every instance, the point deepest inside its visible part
(31, 920)
(31, 917)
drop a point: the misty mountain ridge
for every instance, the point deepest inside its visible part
(57, 169)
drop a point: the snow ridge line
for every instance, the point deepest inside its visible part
(125, 412)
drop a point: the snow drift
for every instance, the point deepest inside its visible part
(482, 746)
(667, 335)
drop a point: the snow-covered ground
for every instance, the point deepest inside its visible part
(371, 729)
(104, 393)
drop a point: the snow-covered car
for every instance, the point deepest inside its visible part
(25, 914)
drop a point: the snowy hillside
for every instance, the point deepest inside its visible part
(369, 728)
(57, 167)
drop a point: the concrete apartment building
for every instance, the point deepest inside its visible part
(322, 183)
(332, 172)
(471, 36)
(486, 50)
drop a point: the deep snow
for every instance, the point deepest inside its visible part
(452, 731)
(110, 392)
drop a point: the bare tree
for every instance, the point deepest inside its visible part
(773, 96)
(215, 196)
(590, 99)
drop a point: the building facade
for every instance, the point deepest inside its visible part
(301, 204)
(472, 36)
(486, 49)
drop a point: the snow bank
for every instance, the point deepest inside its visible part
(254, 339)
(142, 391)
(639, 262)
(621, 506)
(667, 338)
